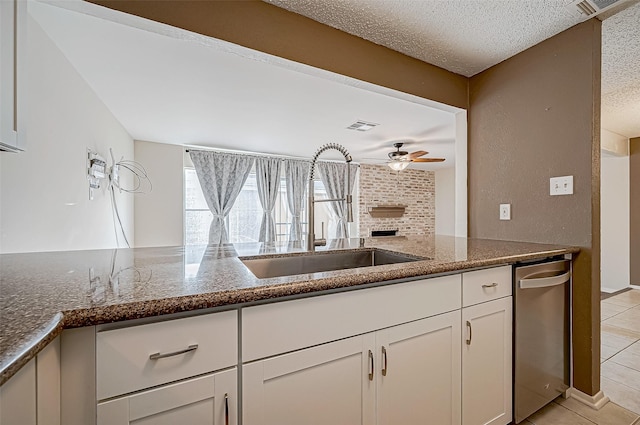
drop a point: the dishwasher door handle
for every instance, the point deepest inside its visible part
(543, 282)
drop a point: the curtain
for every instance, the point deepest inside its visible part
(221, 176)
(268, 182)
(333, 175)
(297, 175)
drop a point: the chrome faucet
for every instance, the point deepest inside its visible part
(312, 242)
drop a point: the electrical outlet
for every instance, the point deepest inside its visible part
(505, 211)
(561, 185)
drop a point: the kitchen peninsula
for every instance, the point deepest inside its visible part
(44, 293)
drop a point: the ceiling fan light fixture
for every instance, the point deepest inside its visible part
(398, 165)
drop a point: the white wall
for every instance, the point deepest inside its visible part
(44, 195)
(446, 201)
(461, 185)
(614, 222)
(614, 143)
(159, 217)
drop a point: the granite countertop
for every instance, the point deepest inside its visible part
(43, 293)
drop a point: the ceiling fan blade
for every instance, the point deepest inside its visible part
(428, 160)
(416, 154)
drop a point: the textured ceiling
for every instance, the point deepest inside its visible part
(463, 36)
(621, 72)
(469, 36)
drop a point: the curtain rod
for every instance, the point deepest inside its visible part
(284, 158)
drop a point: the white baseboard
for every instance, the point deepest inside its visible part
(634, 286)
(594, 401)
(612, 290)
(608, 290)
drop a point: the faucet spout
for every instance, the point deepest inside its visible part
(348, 199)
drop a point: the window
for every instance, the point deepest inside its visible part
(197, 215)
(243, 221)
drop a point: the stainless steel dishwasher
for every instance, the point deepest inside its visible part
(542, 294)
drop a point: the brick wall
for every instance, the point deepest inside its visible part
(380, 185)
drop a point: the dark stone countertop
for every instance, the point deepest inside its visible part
(43, 293)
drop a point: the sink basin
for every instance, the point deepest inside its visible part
(322, 262)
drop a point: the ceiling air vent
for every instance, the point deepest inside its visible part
(362, 126)
(586, 9)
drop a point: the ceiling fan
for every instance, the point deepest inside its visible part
(399, 160)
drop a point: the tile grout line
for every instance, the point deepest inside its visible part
(624, 365)
(622, 383)
(611, 317)
(618, 352)
(629, 388)
(602, 322)
(577, 413)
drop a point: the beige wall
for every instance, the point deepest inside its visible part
(158, 214)
(634, 210)
(532, 117)
(380, 185)
(267, 28)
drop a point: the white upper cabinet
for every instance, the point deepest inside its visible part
(13, 20)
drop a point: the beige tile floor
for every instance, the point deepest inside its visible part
(572, 412)
(620, 349)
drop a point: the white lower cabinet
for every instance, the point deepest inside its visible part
(407, 374)
(18, 405)
(326, 384)
(429, 351)
(487, 363)
(181, 371)
(206, 400)
(419, 372)
(32, 396)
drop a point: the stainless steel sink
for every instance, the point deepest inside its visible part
(322, 262)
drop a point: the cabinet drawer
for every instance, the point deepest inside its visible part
(276, 328)
(485, 285)
(125, 360)
(209, 399)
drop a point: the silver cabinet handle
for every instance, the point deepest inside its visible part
(226, 409)
(156, 356)
(493, 285)
(544, 282)
(371, 366)
(469, 328)
(384, 361)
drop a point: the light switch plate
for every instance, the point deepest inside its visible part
(561, 185)
(505, 211)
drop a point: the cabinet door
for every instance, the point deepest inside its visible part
(331, 383)
(486, 363)
(18, 404)
(419, 372)
(13, 19)
(207, 400)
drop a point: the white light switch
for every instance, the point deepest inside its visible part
(561, 185)
(505, 211)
